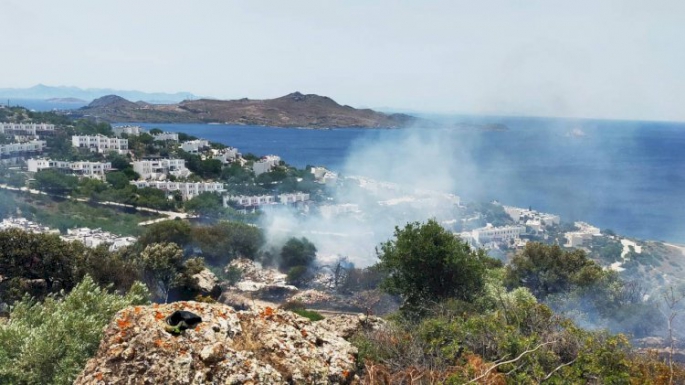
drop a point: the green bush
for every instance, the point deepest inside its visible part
(310, 314)
(298, 308)
(50, 342)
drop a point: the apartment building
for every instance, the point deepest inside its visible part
(100, 143)
(15, 150)
(159, 169)
(95, 170)
(188, 189)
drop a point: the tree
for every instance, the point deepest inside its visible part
(176, 231)
(297, 252)
(36, 264)
(117, 179)
(548, 269)
(206, 204)
(53, 181)
(224, 241)
(163, 264)
(427, 263)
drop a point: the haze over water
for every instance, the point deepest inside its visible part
(624, 175)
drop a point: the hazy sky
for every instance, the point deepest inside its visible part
(597, 58)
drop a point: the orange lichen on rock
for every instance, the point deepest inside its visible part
(256, 346)
(124, 323)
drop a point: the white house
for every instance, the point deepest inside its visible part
(494, 234)
(329, 211)
(247, 201)
(293, 198)
(159, 168)
(166, 136)
(94, 170)
(128, 130)
(194, 146)
(96, 237)
(226, 155)
(13, 150)
(100, 143)
(265, 164)
(188, 189)
(26, 131)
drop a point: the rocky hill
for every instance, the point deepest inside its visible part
(293, 110)
(258, 346)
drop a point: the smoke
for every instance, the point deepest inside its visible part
(389, 178)
(589, 170)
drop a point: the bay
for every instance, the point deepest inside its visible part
(625, 175)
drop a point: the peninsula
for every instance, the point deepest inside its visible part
(292, 110)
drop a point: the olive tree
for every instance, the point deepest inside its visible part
(426, 263)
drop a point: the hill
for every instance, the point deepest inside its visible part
(292, 110)
(42, 91)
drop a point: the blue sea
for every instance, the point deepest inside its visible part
(624, 175)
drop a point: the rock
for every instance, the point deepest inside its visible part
(208, 283)
(261, 346)
(346, 325)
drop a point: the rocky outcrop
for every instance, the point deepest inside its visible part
(265, 346)
(347, 325)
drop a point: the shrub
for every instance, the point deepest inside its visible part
(296, 275)
(298, 308)
(50, 342)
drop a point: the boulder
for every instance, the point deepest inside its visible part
(208, 283)
(261, 346)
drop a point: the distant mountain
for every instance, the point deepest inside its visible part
(292, 110)
(41, 91)
(66, 100)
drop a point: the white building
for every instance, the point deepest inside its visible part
(501, 234)
(166, 136)
(582, 236)
(318, 172)
(26, 131)
(100, 144)
(577, 239)
(329, 211)
(293, 198)
(226, 155)
(95, 170)
(26, 225)
(195, 146)
(159, 169)
(96, 237)
(249, 201)
(521, 215)
(128, 130)
(265, 164)
(188, 189)
(14, 150)
(323, 175)
(587, 228)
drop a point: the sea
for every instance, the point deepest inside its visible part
(627, 176)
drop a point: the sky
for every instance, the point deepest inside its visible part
(595, 59)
